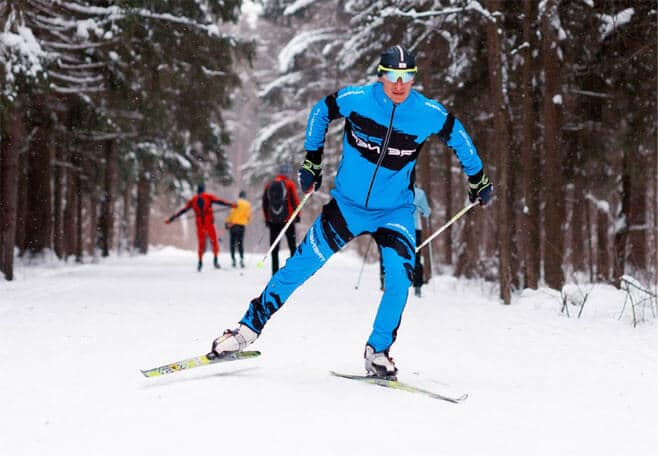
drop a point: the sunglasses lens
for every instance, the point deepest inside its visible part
(393, 76)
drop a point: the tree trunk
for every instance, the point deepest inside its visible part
(602, 245)
(143, 206)
(91, 189)
(58, 183)
(578, 219)
(502, 145)
(106, 222)
(79, 239)
(21, 203)
(553, 154)
(124, 236)
(73, 210)
(93, 223)
(12, 132)
(637, 216)
(68, 215)
(70, 200)
(466, 265)
(590, 237)
(38, 222)
(622, 220)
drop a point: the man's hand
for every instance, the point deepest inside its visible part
(480, 188)
(310, 174)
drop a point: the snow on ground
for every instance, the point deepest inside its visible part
(73, 338)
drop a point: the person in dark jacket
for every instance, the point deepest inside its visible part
(201, 204)
(386, 125)
(279, 202)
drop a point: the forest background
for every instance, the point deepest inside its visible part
(112, 111)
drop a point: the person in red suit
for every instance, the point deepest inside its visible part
(202, 203)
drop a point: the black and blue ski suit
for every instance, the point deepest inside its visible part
(373, 195)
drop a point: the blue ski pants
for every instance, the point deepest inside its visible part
(339, 223)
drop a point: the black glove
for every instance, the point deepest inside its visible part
(310, 174)
(480, 188)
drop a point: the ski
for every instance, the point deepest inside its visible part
(197, 361)
(395, 384)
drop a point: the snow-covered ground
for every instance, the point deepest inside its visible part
(73, 338)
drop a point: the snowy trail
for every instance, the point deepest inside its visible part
(74, 337)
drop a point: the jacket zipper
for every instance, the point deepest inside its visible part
(382, 153)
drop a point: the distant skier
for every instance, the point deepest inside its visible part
(421, 209)
(236, 222)
(202, 203)
(279, 202)
(373, 195)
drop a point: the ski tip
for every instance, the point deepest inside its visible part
(148, 373)
(455, 400)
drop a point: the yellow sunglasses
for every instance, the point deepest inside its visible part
(393, 74)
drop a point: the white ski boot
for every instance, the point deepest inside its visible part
(233, 340)
(379, 364)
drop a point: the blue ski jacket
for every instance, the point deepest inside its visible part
(373, 122)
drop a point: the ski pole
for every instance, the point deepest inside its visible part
(450, 222)
(365, 257)
(190, 217)
(261, 263)
(260, 239)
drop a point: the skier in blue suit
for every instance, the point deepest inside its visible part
(386, 125)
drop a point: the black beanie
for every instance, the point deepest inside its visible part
(398, 58)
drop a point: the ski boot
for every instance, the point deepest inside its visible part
(233, 340)
(417, 291)
(199, 266)
(216, 263)
(379, 364)
(242, 263)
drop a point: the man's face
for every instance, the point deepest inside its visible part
(397, 91)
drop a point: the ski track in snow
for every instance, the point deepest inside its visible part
(75, 336)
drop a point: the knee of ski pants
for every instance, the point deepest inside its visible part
(334, 226)
(397, 278)
(398, 258)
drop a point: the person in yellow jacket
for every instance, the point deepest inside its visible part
(236, 222)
